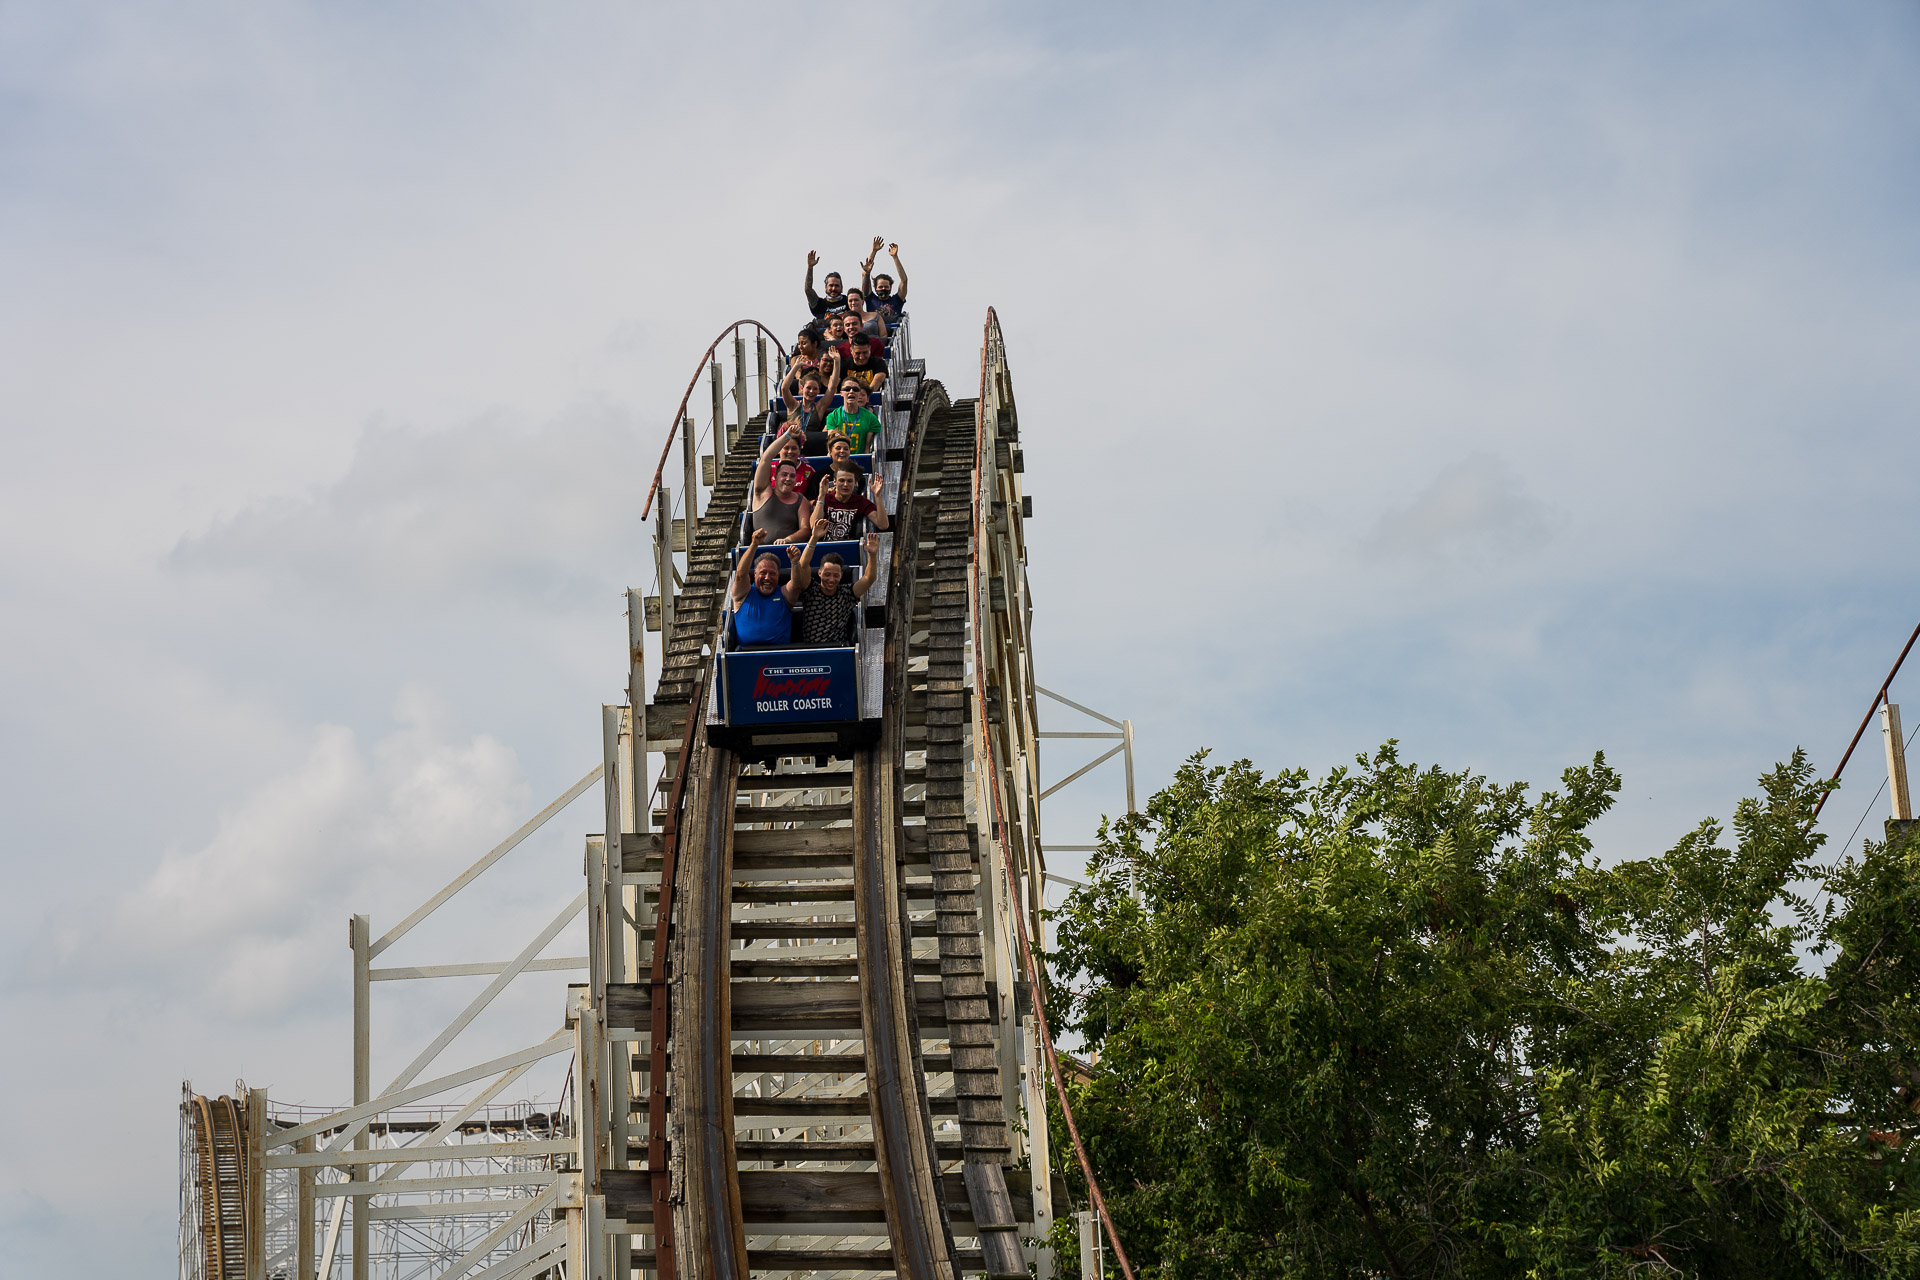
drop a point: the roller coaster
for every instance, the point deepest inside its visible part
(808, 1041)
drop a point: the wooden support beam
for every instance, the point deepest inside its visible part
(1896, 762)
(786, 1007)
(773, 1197)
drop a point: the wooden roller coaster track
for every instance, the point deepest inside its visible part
(831, 1065)
(808, 1040)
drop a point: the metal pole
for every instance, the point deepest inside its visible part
(303, 1216)
(690, 482)
(360, 936)
(739, 382)
(720, 445)
(586, 1236)
(1126, 727)
(761, 341)
(663, 561)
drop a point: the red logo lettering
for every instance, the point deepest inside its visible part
(766, 688)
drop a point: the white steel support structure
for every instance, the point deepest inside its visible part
(426, 1176)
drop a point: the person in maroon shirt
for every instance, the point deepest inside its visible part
(843, 503)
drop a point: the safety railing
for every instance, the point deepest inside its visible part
(1002, 662)
(703, 452)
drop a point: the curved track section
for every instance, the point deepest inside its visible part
(840, 1065)
(220, 1185)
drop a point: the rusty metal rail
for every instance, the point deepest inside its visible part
(680, 411)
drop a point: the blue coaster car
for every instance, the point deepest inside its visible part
(769, 701)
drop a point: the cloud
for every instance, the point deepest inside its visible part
(535, 515)
(1476, 507)
(249, 922)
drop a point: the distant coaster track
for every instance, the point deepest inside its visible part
(219, 1145)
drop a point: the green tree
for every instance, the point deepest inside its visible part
(1401, 1022)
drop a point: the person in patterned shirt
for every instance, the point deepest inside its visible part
(827, 605)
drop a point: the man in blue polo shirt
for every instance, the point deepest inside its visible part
(762, 606)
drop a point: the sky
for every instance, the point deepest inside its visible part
(1514, 381)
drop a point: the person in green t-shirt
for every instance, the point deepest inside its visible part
(854, 418)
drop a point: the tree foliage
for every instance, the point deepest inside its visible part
(1402, 1022)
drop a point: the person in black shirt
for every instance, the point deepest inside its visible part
(833, 301)
(828, 604)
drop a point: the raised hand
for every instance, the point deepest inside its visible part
(813, 259)
(872, 544)
(794, 552)
(759, 536)
(893, 250)
(876, 486)
(877, 242)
